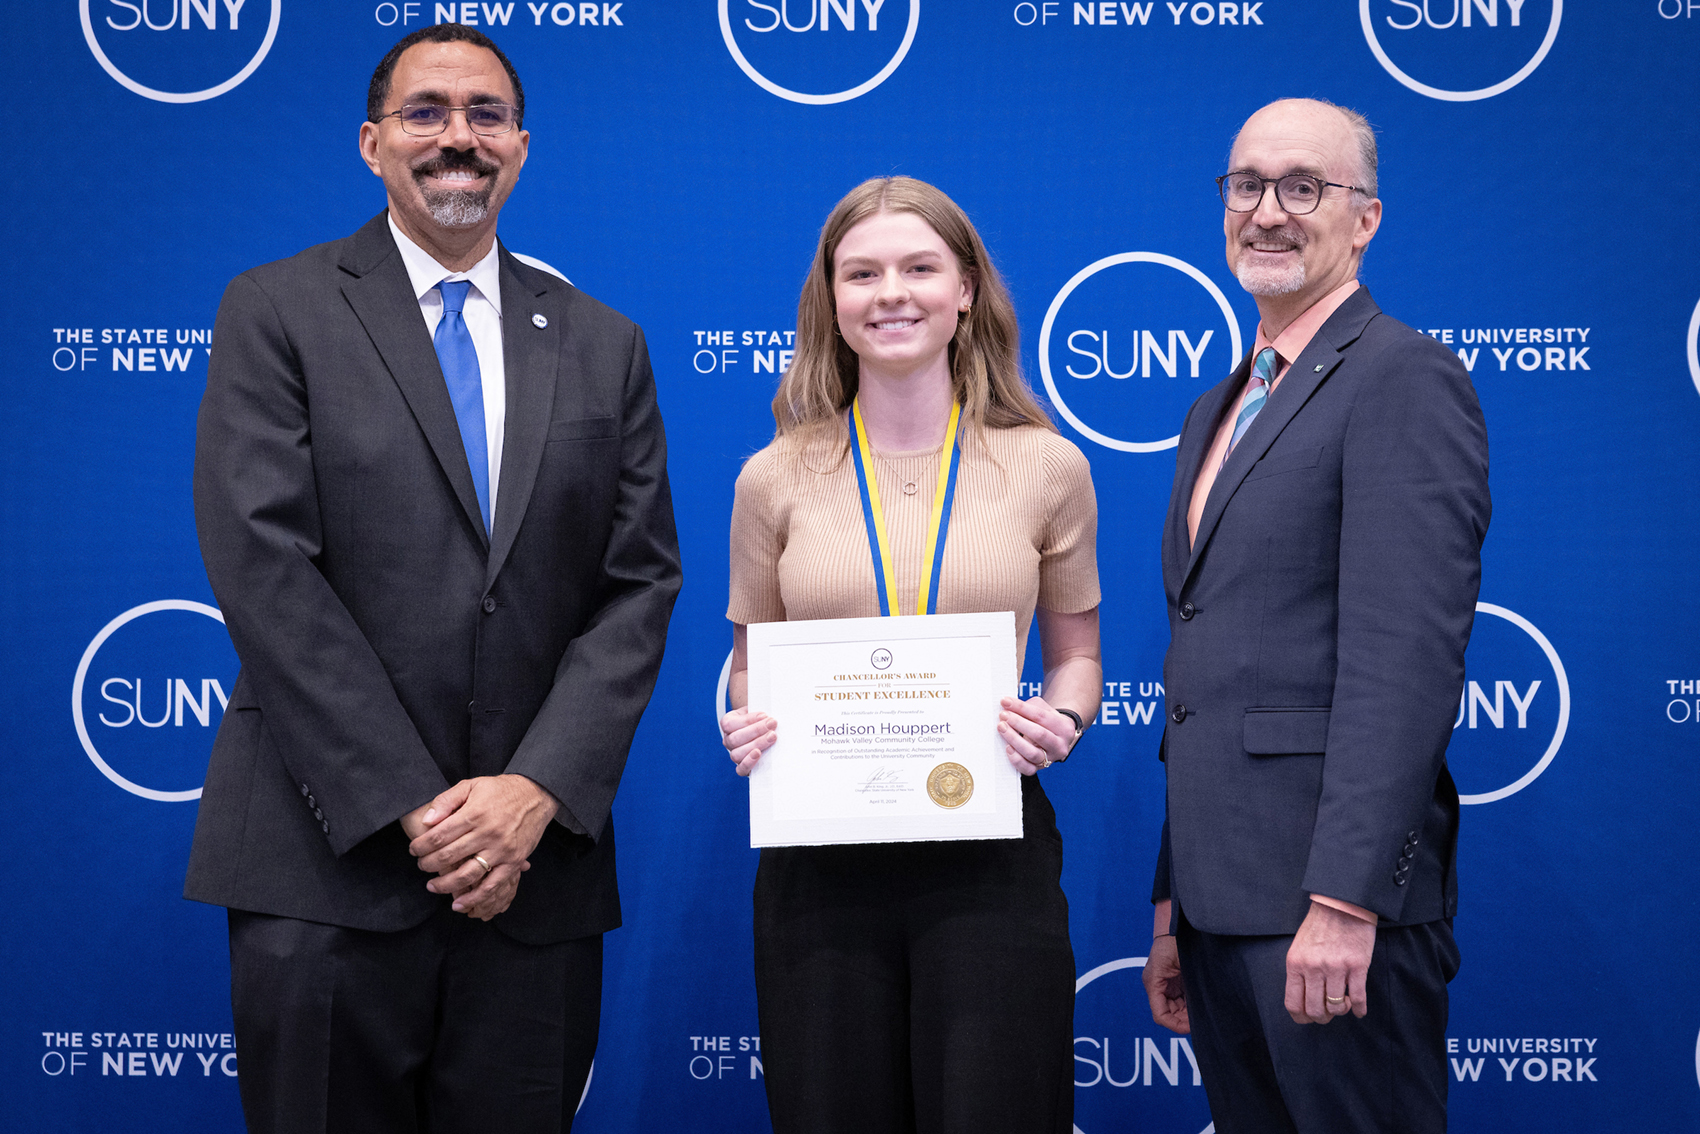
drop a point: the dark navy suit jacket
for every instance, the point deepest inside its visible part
(389, 646)
(1318, 626)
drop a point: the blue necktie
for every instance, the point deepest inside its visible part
(466, 387)
(1262, 377)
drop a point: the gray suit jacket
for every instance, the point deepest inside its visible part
(1317, 634)
(389, 647)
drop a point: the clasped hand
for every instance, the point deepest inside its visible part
(497, 818)
(1034, 734)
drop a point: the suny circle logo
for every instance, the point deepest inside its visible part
(1694, 347)
(176, 666)
(1513, 711)
(205, 45)
(1109, 1057)
(1466, 44)
(867, 38)
(880, 658)
(1133, 347)
(722, 705)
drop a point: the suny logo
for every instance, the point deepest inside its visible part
(1513, 711)
(840, 48)
(1127, 343)
(149, 694)
(1462, 49)
(180, 50)
(1130, 1073)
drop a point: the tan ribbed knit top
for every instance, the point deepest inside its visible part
(1023, 530)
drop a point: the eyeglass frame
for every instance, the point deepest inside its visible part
(1263, 191)
(396, 114)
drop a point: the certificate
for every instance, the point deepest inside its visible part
(887, 730)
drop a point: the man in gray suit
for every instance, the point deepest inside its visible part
(1321, 560)
(431, 491)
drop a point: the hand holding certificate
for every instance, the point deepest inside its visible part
(890, 730)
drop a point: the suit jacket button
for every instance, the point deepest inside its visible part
(319, 815)
(325, 827)
(310, 802)
(303, 789)
(1398, 879)
(1187, 611)
(489, 604)
(1178, 714)
(1411, 838)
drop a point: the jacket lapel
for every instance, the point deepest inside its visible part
(530, 356)
(1313, 367)
(376, 286)
(1194, 444)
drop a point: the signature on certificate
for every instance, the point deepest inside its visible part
(883, 780)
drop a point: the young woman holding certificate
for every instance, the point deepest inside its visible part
(917, 986)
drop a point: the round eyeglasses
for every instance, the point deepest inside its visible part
(426, 119)
(1296, 193)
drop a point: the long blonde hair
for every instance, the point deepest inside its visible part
(985, 363)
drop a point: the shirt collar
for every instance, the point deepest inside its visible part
(1290, 343)
(425, 273)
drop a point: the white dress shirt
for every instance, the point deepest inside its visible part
(483, 315)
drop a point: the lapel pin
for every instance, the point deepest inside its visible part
(540, 322)
(1318, 365)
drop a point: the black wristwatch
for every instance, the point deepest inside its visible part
(1079, 727)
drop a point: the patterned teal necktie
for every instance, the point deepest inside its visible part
(1257, 395)
(466, 387)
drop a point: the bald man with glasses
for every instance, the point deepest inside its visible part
(1321, 561)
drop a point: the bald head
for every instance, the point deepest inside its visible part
(1362, 136)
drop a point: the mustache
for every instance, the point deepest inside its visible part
(1290, 233)
(445, 160)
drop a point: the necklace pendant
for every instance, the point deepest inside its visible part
(910, 488)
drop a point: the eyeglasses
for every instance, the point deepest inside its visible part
(1296, 193)
(426, 119)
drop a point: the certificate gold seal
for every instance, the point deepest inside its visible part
(950, 785)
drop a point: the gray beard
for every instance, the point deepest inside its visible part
(1261, 280)
(458, 208)
(1273, 281)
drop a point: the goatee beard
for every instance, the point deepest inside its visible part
(457, 208)
(1272, 280)
(1269, 279)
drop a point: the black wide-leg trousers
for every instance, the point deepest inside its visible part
(450, 1027)
(918, 987)
(1265, 1074)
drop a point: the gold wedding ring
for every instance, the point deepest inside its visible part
(479, 859)
(1335, 999)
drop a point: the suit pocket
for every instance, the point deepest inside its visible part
(1285, 732)
(581, 429)
(1279, 463)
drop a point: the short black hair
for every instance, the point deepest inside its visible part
(379, 92)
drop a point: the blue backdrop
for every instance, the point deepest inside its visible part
(1537, 163)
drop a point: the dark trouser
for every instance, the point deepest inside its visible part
(918, 987)
(1265, 1074)
(448, 1027)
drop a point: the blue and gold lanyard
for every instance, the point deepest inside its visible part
(932, 558)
